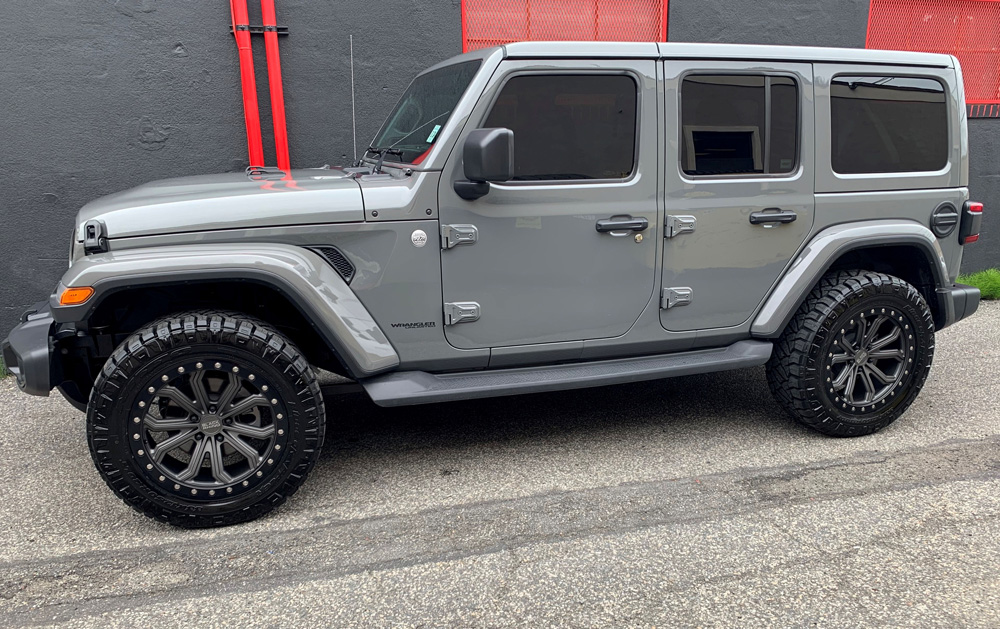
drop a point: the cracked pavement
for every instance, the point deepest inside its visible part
(685, 502)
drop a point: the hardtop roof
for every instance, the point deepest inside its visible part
(670, 50)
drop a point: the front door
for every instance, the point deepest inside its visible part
(585, 151)
(739, 186)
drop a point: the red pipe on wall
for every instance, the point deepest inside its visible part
(274, 76)
(241, 30)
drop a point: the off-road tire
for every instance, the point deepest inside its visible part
(288, 416)
(802, 373)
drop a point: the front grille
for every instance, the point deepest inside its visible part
(337, 260)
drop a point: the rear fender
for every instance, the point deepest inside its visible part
(824, 250)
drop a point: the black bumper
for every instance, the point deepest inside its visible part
(958, 302)
(27, 351)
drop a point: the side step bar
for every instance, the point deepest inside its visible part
(402, 388)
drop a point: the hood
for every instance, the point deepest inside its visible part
(233, 200)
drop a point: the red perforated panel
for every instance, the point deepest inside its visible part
(968, 29)
(493, 22)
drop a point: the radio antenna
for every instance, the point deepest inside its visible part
(354, 118)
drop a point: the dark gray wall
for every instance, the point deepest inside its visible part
(984, 186)
(103, 95)
(784, 22)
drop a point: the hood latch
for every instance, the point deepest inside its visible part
(95, 237)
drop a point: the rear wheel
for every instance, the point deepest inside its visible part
(205, 419)
(855, 355)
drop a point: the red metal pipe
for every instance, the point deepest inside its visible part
(270, 21)
(241, 26)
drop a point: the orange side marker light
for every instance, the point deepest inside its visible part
(75, 296)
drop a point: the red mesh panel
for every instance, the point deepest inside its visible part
(968, 29)
(493, 22)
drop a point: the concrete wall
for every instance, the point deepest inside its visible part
(104, 95)
(841, 23)
(984, 185)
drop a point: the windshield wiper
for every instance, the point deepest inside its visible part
(382, 152)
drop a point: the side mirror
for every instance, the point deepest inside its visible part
(489, 156)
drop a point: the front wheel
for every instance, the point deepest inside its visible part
(205, 419)
(855, 355)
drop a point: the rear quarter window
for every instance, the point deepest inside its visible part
(888, 124)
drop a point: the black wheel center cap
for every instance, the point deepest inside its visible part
(211, 424)
(861, 357)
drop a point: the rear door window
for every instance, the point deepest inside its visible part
(740, 124)
(888, 124)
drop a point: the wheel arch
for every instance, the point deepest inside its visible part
(288, 287)
(904, 249)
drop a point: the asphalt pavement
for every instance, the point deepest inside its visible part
(687, 502)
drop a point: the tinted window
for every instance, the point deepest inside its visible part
(885, 124)
(416, 121)
(726, 130)
(569, 126)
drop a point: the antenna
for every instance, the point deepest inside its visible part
(354, 119)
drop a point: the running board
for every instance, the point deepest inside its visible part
(419, 387)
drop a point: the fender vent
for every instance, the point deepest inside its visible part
(337, 260)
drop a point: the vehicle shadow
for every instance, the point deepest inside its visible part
(702, 403)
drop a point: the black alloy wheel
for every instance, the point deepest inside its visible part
(208, 429)
(205, 419)
(867, 362)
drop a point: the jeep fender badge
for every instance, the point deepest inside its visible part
(418, 238)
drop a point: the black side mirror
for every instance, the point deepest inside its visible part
(488, 156)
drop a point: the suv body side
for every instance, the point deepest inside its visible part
(605, 293)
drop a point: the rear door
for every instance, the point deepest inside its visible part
(739, 186)
(585, 151)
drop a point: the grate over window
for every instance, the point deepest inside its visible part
(968, 29)
(488, 23)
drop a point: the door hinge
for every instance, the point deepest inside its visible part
(677, 225)
(455, 235)
(676, 296)
(460, 312)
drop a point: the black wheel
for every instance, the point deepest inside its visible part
(855, 355)
(205, 419)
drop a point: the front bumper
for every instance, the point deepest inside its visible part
(958, 302)
(27, 350)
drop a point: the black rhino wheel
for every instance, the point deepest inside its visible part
(855, 355)
(205, 419)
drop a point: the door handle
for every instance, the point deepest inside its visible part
(623, 223)
(773, 215)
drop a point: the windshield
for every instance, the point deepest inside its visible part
(424, 109)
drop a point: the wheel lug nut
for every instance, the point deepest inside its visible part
(219, 437)
(198, 437)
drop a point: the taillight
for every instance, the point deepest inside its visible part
(972, 219)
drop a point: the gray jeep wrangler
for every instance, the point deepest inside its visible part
(534, 217)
